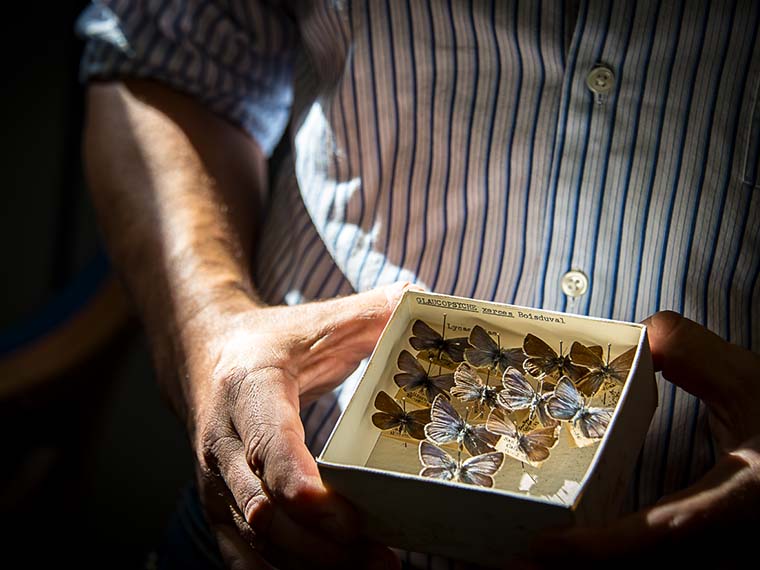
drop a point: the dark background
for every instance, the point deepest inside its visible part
(92, 460)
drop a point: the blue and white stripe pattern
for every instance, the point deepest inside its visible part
(455, 143)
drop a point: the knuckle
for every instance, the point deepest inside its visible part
(259, 447)
(230, 381)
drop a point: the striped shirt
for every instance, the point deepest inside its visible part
(458, 144)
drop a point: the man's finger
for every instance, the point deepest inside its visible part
(358, 319)
(700, 361)
(265, 416)
(722, 505)
(273, 529)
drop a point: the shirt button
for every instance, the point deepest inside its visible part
(600, 80)
(574, 283)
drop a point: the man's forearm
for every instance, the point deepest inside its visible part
(175, 189)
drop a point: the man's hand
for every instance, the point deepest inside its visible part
(179, 194)
(259, 483)
(717, 518)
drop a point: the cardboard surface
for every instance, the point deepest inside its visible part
(379, 474)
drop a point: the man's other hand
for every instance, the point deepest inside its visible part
(259, 483)
(716, 519)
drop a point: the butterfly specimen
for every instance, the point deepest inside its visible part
(426, 339)
(567, 404)
(447, 426)
(542, 360)
(469, 387)
(599, 370)
(519, 394)
(478, 470)
(393, 416)
(533, 446)
(485, 351)
(413, 377)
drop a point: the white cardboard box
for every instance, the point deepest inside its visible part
(378, 474)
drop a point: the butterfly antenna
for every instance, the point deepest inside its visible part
(560, 348)
(403, 404)
(609, 347)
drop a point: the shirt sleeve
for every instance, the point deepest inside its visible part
(235, 56)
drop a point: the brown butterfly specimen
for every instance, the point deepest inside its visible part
(447, 426)
(599, 370)
(535, 445)
(392, 416)
(486, 352)
(470, 388)
(413, 377)
(478, 470)
(426, 339)
(542, 360)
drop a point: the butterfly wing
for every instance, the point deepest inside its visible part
(537, 443)
(518, 394)
(584, 356)
(385, 421)
(566, 401)
(479, 470)
(440, 384)
(594, 421)
(436, 462)
(424, 337)
(572, 371)
(468, 386)
(478, 440)
(500, 425)
(413, 375)
(445, 423)
(484, 349)
(385, 403)
(455, 348)
(591, 382)
(390, 414)
(416, 422)
(621, 366)
(511, 357)
(541, 358)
